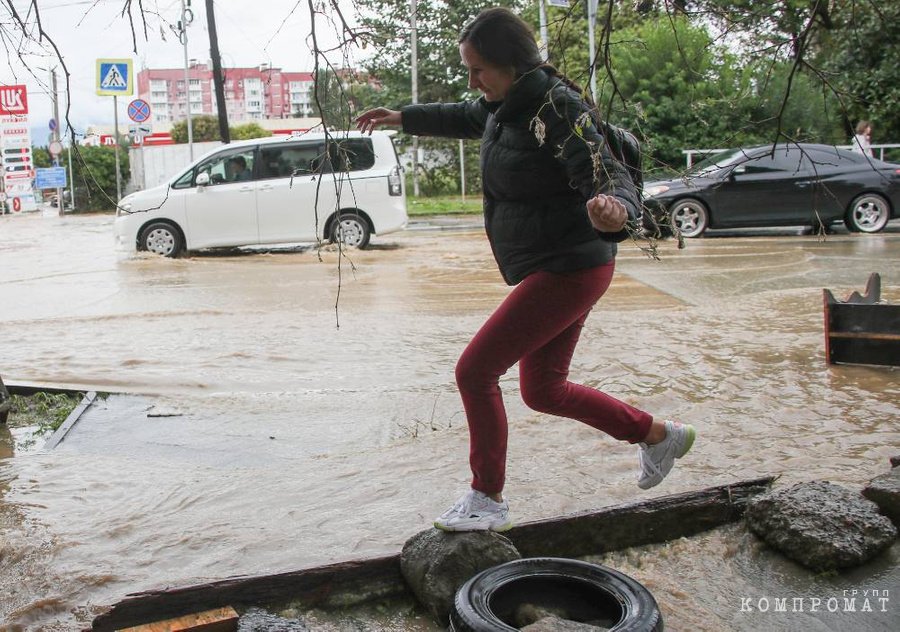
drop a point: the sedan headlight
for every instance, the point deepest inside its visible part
(654, 190)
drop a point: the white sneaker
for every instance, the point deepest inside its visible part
(657, 460)
(475, 511)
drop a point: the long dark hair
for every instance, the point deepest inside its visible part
(502, 38)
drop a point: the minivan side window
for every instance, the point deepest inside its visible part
(290, 159)
(297, 159)
(352, 154)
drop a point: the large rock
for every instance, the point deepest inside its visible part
(821, 525)
(884, 491)
(435, 564)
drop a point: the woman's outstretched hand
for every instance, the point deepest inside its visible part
(369, 120)
(607, 213)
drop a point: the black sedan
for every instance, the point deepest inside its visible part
(781, 185)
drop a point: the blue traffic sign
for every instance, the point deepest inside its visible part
(138, 110)
(50, 178)
(114, 77)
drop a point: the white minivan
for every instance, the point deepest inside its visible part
(343, 186)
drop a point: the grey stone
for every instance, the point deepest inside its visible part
(895, 460)
(258, 620)
(821, 525)
(884, 491)
(5, 402)
(435, 564)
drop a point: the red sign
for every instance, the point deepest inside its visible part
(13, 100)
(107, 140)
(17, 205)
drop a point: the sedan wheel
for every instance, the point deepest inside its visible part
(351, 230)
(868, 213)
(689, 217)
(162, 239)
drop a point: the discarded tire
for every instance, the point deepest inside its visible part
(491, 600)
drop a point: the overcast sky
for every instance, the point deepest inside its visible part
(250, 32)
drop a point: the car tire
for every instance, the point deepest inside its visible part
(352, 230)
(583, 591)
(688, 217)
(161, 238)
(868, 213)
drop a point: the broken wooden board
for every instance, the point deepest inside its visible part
(218, 620)
(355, 582)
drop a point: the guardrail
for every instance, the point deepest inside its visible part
(689, 153)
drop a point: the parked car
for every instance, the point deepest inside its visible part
(790, 185)
(301, 188)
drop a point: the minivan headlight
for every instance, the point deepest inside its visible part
(123, 208)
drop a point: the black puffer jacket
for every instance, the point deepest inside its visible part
(535, 194)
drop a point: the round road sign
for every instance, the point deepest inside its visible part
(17, 205)
(55, 148)
(138, 110)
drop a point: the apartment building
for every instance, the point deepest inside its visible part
(251, 94)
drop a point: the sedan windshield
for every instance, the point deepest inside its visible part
(714, 162)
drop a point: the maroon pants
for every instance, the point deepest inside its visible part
(538, 326)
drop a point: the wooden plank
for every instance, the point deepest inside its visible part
(861, 335)
(353, 582)
(648, 522)
(70, 421)
(218, 620)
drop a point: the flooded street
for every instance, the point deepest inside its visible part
(278, 410)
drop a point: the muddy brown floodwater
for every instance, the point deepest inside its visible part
(254, 435)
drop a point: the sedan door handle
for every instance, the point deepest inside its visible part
(803, 183)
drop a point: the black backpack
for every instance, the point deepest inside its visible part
(625, 147)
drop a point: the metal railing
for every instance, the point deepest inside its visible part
(689, 153)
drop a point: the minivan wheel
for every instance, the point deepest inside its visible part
(352, 230)
(495, 599)
(161, 238)
(868, 213)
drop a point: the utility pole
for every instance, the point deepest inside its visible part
(592, 53)
(545, 37)
(54, 136)
(187, 16)
(415, 91)
(218, 78)
(116, 137)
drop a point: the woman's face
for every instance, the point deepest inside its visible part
(493, 81)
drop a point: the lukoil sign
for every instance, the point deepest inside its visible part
(13, 100)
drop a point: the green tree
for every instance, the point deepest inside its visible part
(94, 173)
(248, 131)
(675, 89)
(94, 176)
(331, 100)
(862, 66)
(204, 127)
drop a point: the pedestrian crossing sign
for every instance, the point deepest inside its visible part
(114, 77)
